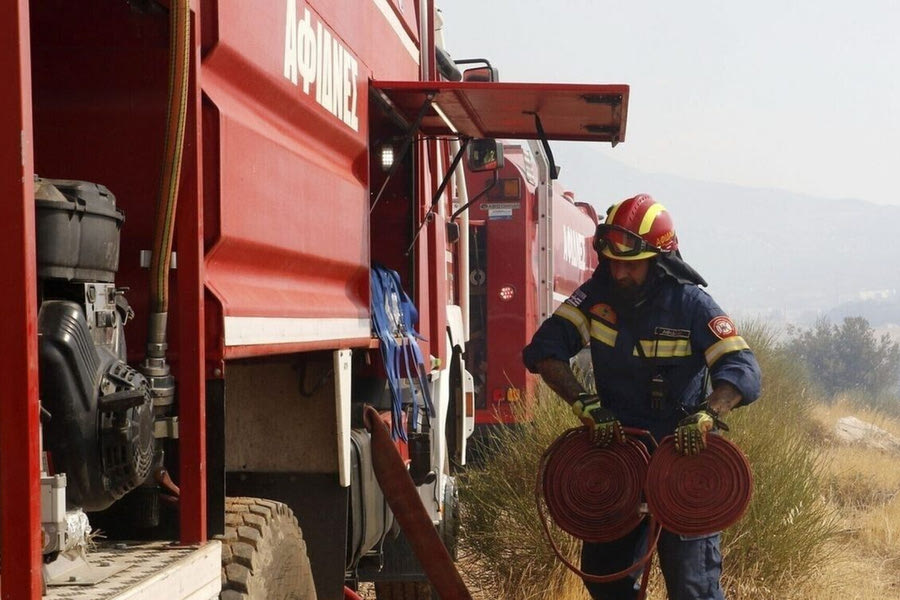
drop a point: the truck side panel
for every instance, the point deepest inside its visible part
(291, 237)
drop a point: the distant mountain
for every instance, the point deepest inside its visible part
(767, 253)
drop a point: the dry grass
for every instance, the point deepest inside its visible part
(860, 478)
(864, 488)
(879, 531)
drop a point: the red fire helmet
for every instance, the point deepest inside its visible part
(635, 229)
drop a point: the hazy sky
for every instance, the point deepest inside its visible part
(803, 96)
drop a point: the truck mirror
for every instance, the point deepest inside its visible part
(481, 74)
(446, 65)
(484, 154)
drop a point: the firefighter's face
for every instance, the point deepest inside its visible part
(629, 275)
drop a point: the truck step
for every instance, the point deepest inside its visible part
(142, 571)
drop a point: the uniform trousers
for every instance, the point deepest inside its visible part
(691, 566)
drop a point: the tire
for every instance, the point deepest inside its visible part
(263, 553)
(404, 590)
(449, 528)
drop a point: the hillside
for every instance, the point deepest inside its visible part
(787, 257)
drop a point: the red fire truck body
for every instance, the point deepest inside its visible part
(530, 248)
(223, 176)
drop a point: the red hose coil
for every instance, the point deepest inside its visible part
(594, 493)
(701, 494)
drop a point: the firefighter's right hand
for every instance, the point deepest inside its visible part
(603, 424)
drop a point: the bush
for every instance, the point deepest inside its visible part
(783, 538)
(850, 357)
(501, 527)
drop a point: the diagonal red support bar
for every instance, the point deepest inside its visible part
(19, 451)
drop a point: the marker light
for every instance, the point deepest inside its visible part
(507, 292)
(386, 155)
(510, 189)
(510, 394)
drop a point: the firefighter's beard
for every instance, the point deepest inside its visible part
(626, 292)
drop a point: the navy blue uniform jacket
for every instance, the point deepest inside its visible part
(683, 336)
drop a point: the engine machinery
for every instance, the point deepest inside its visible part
(98, 413)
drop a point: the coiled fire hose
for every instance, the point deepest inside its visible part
(594, 494)
(702, 494)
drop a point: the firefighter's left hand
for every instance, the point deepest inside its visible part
(690, 435)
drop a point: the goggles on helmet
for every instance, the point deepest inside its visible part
(618, 241)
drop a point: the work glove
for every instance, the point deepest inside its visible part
(690, 435)
(603, 424)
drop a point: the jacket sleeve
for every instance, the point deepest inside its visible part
(727, 354)
(562, 335)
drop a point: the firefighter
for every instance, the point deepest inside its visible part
(666, 359)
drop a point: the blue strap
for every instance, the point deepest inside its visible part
(384, 327)
(393, 315)
(414, 362)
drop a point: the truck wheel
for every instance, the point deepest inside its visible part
(263, 553)
(403, 590)
(450, 525)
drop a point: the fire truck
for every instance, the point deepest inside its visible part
(231, 230)
(529, 249)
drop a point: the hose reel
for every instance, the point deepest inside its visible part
(698, 495)
(593, 493)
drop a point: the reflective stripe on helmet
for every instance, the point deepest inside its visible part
(649, 217)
